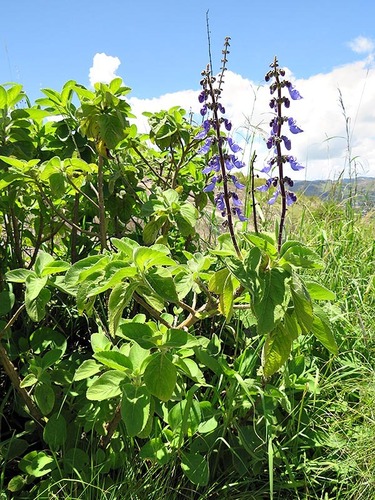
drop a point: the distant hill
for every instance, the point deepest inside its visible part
(362, 188)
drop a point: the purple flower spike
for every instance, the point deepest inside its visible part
(237, 211)
(293, 126)
(294, 94)
(204, 110)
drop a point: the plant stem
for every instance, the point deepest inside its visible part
(102, 222)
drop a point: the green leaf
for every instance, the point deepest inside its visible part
(322, 331)
(175, 337)
(155, 450)
(301, 256)
(319, 292)
(3, 98)
(19, 275)
(271, 305)
(145, 257)
(45, 397)
(118, 300)
(55, 432)
(37, 464)
(73, 274)
(160, 376)
(57, 266)
(265, 243)
(135, 408)
(195, 467)
(34, 286)
(29, 380)
(226, 299)
(36, 309)
(276, 350)
(140, 333)
(7, 299)
(185, 417)
(152, 228)
(87, 369)
(114, 359)
(217, 281)
(161, 282)
(100, 342)
(43, 259)
(16, 483)
(302, 305)
(106, 386)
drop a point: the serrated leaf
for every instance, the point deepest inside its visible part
(138, 332)
(161, 282)
(271, 305)
(114, 359)
(160, 376)
(106, 386)
(319, 292)
(302, 305)
(276, 350)
(322, 331)
(118, 300)
(87, 369)
(36, 309)
(302, 256)
(145, 257)
(135, 408)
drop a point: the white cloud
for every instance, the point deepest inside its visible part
(103, 68)
(322, 147)
(362, 45)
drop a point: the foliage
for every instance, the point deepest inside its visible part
(133, 349)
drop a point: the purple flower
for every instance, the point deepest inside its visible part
(237, 211)
(267, 167)
(293, 126)
(290, 198)
(211, 186)
(274, 197)
(270, 141)
(236, 182)
(221, 108)
(202, 97)
(266, 186)
(236, 201)
(206, 125)
(233, 146)
(206, 146)
(294, 94)
(227, 124)
(294, 164)
(213, 164)
(220, 203)
(203, 110)
(287, 142)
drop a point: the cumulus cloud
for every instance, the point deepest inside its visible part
(334, 131)
(362, 45)
(103, 68)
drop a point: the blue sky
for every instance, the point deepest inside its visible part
(161, 48)
(162, 45)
